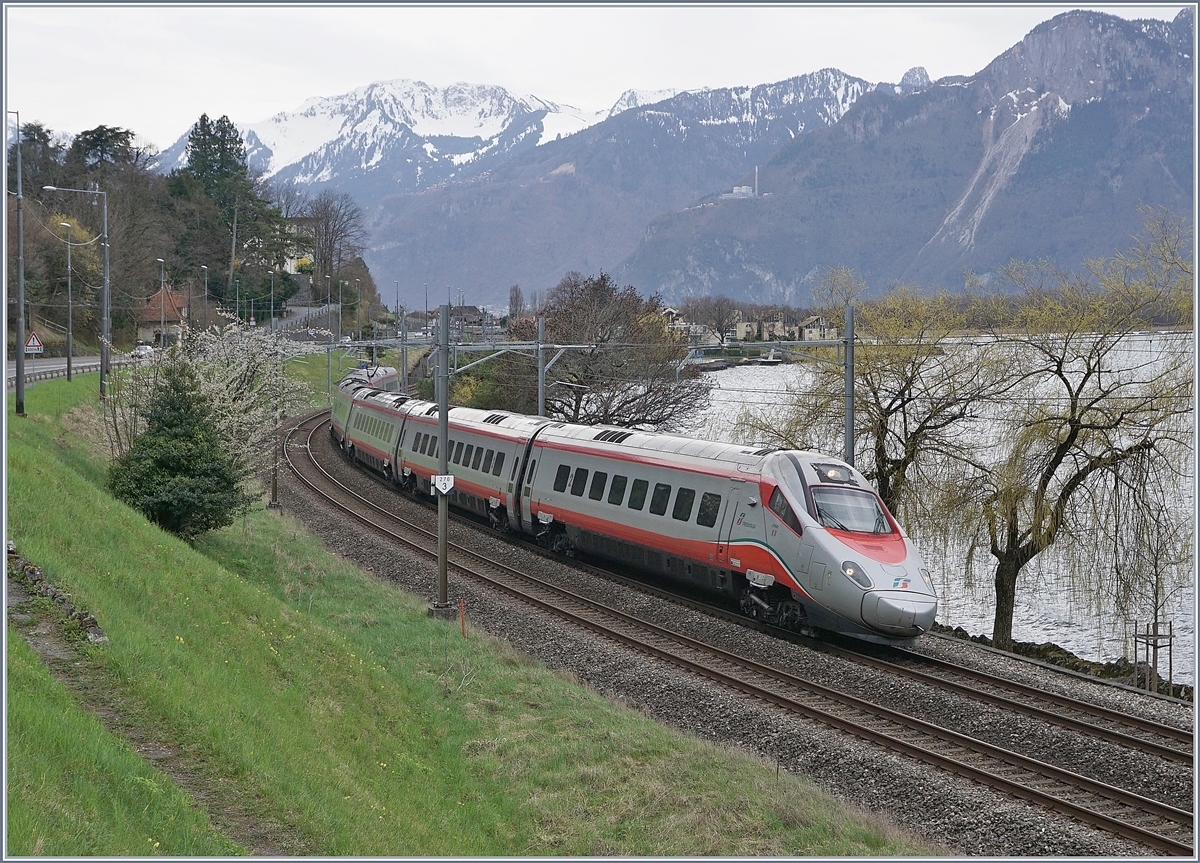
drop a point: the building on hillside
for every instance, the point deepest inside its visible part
(165, 317)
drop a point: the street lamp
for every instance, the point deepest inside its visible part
(358, 310)
(67, 225)
(20, 345)
(271, 317)
(162, 303)
(106, 302)
(205, 295)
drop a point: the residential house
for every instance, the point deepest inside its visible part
(163, 320)
(816, 328)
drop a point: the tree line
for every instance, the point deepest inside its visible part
(213, 211)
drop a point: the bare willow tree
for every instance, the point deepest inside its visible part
(1087, 406)
(916, 383)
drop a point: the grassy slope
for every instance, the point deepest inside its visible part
(314, 371)
(339, 716)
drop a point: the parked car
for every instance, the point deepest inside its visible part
(142, 351)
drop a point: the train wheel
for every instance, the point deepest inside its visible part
(350, 452)
(561, 544)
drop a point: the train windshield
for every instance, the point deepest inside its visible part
(850, 509)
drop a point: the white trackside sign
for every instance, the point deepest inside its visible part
(444, 483)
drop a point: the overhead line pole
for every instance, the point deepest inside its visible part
(541, 360)
(443, 445)
(849, 357)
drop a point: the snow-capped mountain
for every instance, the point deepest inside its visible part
(398, 136)
(583, 203)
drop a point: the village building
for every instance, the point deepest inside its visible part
(163, 320)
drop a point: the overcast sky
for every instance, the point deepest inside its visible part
(155, 69)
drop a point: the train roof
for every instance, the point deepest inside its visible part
(616, 439)
(372, 376)
(613, 439)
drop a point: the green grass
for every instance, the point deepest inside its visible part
(74, 788)
(335, 713)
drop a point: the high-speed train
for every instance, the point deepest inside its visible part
(798, 538)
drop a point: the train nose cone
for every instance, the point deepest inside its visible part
(899, 612)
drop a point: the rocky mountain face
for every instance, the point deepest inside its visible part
(1047, 152)
(583, 202)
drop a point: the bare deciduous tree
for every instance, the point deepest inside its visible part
(629, 375)
(718, 314)
(516, 303)
(337, 231)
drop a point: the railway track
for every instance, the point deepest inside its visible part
(1154, 824)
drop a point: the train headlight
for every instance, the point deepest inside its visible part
(856, 573)
(925, 577)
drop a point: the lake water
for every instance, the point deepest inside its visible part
(1045, 610)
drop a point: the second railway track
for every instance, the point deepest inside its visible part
(1149, 822)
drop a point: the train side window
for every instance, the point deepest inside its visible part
(499, 465)
(427, 446)
(466, 462)
(579, 483)
(560, 478)
(516, 464)
(478, 456)
(433, 446)
(710, 508)
(487, 461)
(458, 453)
(419, 443)
(658, 500)
(683, 504)
(637, 495)
(783, 509)
(532, 470)
(599, 480)
(617, 491)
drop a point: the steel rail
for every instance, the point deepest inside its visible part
(1130, 741)
(905, 724)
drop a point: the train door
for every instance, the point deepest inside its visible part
(733, 518)
(526, 485)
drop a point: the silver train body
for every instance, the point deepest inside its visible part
(797, 538)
